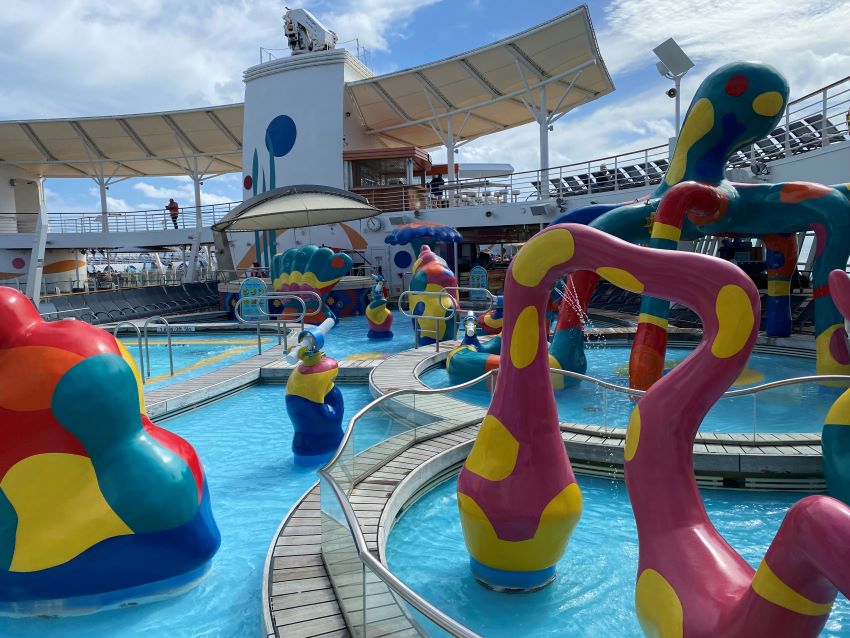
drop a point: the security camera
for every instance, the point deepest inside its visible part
(672, 92)
(489, 213)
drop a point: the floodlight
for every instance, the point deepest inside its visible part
(672, 56)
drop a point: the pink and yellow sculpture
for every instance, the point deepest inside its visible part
(519, 501)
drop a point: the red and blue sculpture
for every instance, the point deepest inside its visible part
(98, 505)
(313, 402)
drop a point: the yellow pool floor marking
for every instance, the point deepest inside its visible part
(181, 342)
(198, 364)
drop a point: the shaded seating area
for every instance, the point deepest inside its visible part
(130, 303)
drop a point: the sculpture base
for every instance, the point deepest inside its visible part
(313, 460)
(92, 603)
(502, 580)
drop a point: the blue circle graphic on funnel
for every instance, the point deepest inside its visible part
(280, 135)
(403, 259)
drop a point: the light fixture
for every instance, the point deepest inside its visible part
(673, 65)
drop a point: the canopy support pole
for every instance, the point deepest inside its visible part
(196, 241)
(35, 269)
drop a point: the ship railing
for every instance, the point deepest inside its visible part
(138, 332)
(260, 316)
(456, 306)
(364, 586)
(162, 321)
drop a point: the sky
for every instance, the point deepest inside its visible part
(86, 58)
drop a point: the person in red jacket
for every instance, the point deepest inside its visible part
(173, 209)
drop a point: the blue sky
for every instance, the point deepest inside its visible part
(63, 59)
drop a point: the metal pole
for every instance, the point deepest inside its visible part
(824, 137)
(543, 122)
(677, 82)
(104, 214)
(450, 150)
(35, 269)
(196, 241)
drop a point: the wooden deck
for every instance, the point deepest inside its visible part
(791, 461)
(300, 599)
(183, 394)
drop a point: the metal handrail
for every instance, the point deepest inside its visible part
(420, 604)
(163, 321)
(298, 296)
(87, 310)
(451, 312)
(139, 337)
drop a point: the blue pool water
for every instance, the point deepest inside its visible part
(593, 592)
(244, 444)
(195, 354)
(348, 339)
(800, 408)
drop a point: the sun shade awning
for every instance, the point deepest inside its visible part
(296, 207)
(488, 89)
(206, 141)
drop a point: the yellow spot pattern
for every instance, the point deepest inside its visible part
(61, 510)
(656, 321)
(698, 123)
(125, 354)
(632, 434)
(658, 606)
(768, 104)
(735, 321)
(540, 254)
(543, 550)
(839, 413)
(525, 338)
(666, 231)
(770, 587)
(778, 288)
(312, 387)
(621, 278)
(748, 376)
(494, 454)
(826, 363)
(557, 379)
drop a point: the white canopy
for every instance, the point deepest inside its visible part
(206, 141)
(488, 89)
(296, 207)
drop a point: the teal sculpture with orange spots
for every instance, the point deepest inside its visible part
(311, 269)
(98, 506)
(734, 106)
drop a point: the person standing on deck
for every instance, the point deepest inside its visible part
(173, 209)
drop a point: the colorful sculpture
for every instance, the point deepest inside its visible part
(735, 105)
(417, 234)
(690, 581)
(98, 506)
(431, 275)
(490, 322)
(518, 499)
(314, 404)
(378, 316)
(308, 268)
(469, 361)
(835, 438)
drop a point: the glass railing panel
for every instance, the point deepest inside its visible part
(342, 561)
(381, 434)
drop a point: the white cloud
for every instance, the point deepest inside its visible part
(806, 41)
